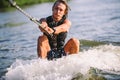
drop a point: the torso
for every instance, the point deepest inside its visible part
(58, 41)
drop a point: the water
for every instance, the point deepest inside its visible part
(97, 20)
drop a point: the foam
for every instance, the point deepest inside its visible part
(105, 57)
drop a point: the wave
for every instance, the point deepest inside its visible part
(104, 57)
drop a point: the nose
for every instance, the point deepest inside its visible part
(58, 11)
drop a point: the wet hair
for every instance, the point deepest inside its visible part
(63, 2)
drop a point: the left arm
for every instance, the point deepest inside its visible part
(63, 27)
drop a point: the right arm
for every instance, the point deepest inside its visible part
(45, 26)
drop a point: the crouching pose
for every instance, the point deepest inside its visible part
(58, 25)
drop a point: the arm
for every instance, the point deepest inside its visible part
(63, 27)
(44, 23)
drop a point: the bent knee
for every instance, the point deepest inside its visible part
(75, 41)
(72, 46)
(42, 38)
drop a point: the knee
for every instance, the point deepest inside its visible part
(39, 38)
(75, 43)
(74, 40)
(72, 46)
(42, 38)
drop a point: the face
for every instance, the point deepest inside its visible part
(58, 11)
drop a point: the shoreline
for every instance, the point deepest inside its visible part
(5, 6)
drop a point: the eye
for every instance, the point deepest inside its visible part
(60, 9)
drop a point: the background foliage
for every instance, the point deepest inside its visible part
(5, 4)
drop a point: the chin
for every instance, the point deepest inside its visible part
(58, 18)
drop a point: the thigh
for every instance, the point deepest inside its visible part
(43, 46)
(72, 46)
(43, 41)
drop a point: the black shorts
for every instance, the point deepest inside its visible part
(54, 54)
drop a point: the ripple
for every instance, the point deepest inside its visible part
(114, 18)
(4, 40)
(11, 24)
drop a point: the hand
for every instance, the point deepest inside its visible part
(48, 29)
(45, 26)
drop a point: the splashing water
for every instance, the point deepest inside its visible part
(106, 58)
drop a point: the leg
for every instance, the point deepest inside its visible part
(72, 46)
(43, 46)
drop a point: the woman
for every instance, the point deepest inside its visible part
(58, 25)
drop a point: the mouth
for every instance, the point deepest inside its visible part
(58, 15)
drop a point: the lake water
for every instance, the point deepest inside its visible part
(96, 20)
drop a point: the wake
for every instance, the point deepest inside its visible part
(105, 58)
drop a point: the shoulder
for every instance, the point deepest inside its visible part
(45, 19)
(67, 21)
(42, 20)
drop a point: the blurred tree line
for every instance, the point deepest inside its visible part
(5, 3)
